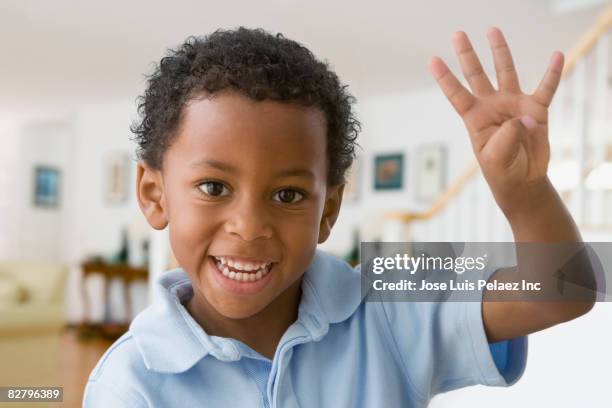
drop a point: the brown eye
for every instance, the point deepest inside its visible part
(289, 196)
(213, 188)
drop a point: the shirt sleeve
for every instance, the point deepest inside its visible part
(114, 380)
(101, 395)
(443, 346)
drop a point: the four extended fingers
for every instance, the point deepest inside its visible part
(461, 99)
(470, 65)
(549, 83)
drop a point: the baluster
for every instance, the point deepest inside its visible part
(600, 139)
(580, 123)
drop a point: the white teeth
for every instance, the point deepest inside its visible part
(262, 270)
(242, 266)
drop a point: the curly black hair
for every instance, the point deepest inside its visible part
(260, 66)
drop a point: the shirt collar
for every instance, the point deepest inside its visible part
(171, 341)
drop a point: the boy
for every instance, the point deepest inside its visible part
(244, 142)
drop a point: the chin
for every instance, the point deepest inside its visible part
(238, 311)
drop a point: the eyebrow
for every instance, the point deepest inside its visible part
(297, 172)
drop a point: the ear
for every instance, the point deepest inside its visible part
(333, 200)
(150, 195)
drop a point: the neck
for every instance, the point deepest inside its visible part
(262, 331)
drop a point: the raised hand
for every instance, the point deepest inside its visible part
(508, 128)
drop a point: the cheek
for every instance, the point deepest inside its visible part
(190, 231)
(300, 235)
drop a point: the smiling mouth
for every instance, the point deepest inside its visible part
(240, 270)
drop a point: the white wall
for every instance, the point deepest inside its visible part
(9, 154)
(95, 226)
(28, 231)
(84, 223)
(42, 231)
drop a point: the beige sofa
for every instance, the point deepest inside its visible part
(31, 319)
(31, 297)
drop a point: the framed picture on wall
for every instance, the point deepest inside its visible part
(46, 187)
(430, 172)
(117, 169)
(389, 171)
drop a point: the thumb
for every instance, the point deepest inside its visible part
(504, 145)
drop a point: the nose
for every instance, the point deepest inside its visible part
(249, 220)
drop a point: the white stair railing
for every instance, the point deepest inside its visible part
(581, 129)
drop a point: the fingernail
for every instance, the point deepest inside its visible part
(529, 122)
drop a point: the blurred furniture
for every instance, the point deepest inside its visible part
(31, 297)
(31, 320)
(127, 274)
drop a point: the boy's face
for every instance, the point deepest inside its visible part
(243, 187)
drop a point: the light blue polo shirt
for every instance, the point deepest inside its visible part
(341, 352)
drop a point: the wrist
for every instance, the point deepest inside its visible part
(542, 216)
(537, 199)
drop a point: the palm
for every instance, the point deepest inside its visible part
(530, 159)
(487, 113)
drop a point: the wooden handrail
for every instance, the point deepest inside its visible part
(588, 41)
(441, 201)
(581, 49)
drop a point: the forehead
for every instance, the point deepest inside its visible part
(234, 128)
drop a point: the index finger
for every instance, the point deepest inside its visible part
(461, 99)
(548, 86)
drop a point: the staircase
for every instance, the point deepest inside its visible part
(580, 167)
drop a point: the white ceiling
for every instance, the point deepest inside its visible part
(61, 54)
